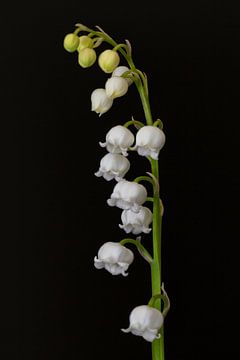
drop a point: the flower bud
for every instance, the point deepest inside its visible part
(116, 87)
(71, 42)
(145, 321)
(136, 222)
(121, 70)
(128, 195)
(149, 141)
(101, 103)
(113, 166)
(118, 140)
(84, 42)
(87, 57)
(108, 60)
(114, 257)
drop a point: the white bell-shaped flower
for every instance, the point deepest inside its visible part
(145, 321)
(113, 166)
(121, 70)
(118, 140)
(128, 195)
(101, 103)
(136, 222)
(149, 141)
(114, 257)
(116, 86)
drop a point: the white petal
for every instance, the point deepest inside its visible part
(126, 330)
(103, 144)
(98, 263)
(98, 173)
(150, 335)
(111, 202)
(108, 176)
(154, 155)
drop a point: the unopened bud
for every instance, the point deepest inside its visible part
(71, 42)
(116, 86)
(87, 57)
(108, 60)
(85, 42)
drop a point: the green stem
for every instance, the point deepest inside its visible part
(158, 344)
(143, 251)
(133, 122)
(145, 178)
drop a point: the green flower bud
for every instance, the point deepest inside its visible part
(108, 60)
(85, 42)
(87, 57)
(71, 42)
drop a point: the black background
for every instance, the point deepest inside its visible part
(55, 304)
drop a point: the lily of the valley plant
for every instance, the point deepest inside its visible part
(147, 138)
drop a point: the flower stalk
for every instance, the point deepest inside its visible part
(127, 195)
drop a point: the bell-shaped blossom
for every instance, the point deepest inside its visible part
(101, 103)
(149, 141)
(145, 321)
(128, 195)
(114, 257)
(118, 140)
(136, 222)
(120, 70)
(113, 166)
(116, 86)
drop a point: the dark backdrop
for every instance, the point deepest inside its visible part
(56, 305)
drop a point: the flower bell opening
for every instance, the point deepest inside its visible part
(113, 166)
(114, 257)
(149, 141)
(128, 195)
(145, 321)
(118, 140)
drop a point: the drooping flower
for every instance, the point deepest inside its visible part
(120, 70)
(87, 57)
(101, 103)
(136, 222)
(85, 42)
(71, 42)
(118, 140)
(113, 166)
(116, 86)
(149, 141)
(108, 60)
(114, 257)
(128, 195)
(145, 321)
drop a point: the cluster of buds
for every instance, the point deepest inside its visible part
(116, 86)
(129, 196)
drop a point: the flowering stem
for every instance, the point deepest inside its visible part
(142, 87)
(158, 344)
